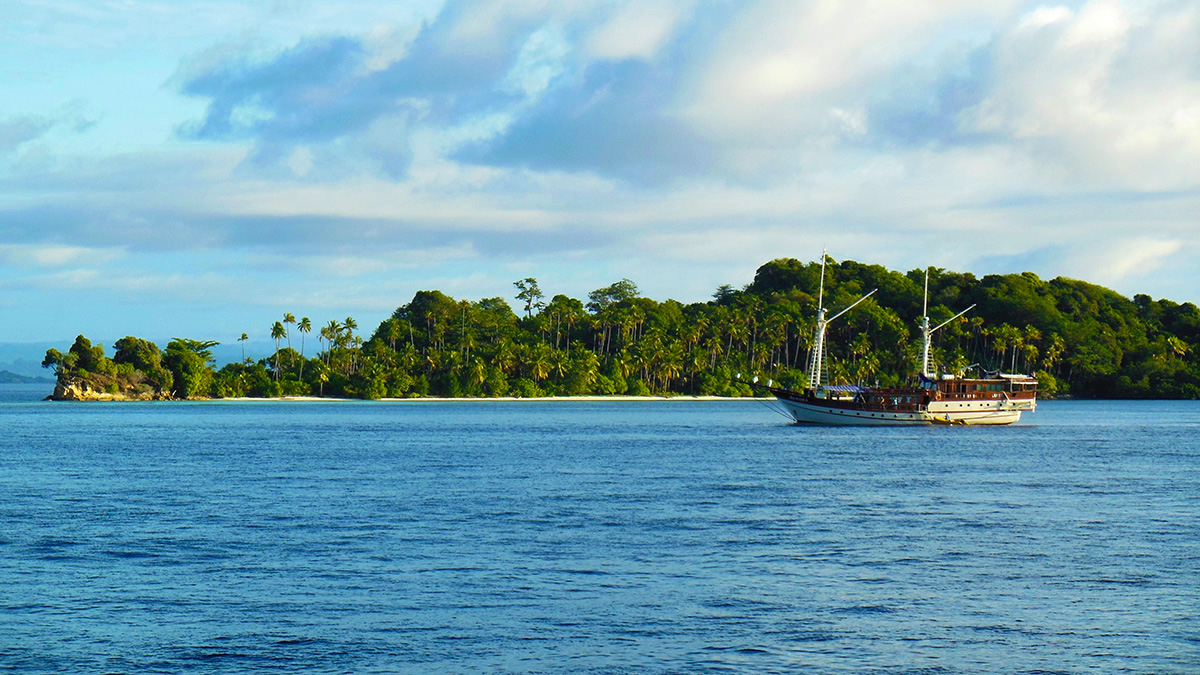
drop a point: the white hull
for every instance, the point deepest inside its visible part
(938, 412)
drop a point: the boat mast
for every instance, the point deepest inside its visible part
(816, 363)
(927, 332)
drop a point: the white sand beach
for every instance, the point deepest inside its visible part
(435, 399)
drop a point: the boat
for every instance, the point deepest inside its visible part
(951, 399)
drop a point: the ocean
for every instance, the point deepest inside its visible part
(593, 537)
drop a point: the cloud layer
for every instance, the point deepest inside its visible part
(679, 143)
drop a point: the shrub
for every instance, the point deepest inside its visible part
(637, 388)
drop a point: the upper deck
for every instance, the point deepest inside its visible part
(1005, 386)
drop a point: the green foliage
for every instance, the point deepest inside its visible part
(144, 356)
(85, 367)
(188, 361)
(530, 294)
(54, 359)
(1080, 339)
(525, 388)
(87, 357)
(638, 388)
(603, 298)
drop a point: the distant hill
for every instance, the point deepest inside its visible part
(7, 377)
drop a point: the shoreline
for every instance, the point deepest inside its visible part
(499, 399)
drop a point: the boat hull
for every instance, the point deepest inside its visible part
(815, 411)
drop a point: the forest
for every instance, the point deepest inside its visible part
(1079, 339)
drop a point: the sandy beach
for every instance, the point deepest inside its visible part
(435, 399)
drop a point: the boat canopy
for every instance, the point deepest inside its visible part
(844, 388)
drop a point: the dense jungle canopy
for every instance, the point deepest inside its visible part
(1079, 339)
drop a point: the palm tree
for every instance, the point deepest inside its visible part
(391, 332)
(1179, 348)
(1030, 339)
(559, 363)
(322, 336)
(277, 332)
(243, 341)
(505, 356)
(1053, 352)
(322, 377)
(304, 326)
(289, 319)
(332, 332)
(624, 363)
(670, 363)
(478, 372)
(584, 371)
(539, 361)
(713, 345)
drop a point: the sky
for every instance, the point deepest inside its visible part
(197, 168)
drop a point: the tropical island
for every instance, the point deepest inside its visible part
(1079, 339)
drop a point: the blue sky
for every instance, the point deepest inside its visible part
(199, 167)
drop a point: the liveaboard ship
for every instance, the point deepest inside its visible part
(946, 398)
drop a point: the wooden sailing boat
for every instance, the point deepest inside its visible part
(994, 398)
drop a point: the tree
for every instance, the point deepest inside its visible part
(305, 326)
(289, 319)
(603, 298)
(725, 294)
(530, 294)
(331, 333)
(145, 357)
(1179, 348)
(322, 376)
(189, 363)
(583, 373)
(1098, 342)
(54, 359)
(277, 333)
(87, 357)
(389, 330)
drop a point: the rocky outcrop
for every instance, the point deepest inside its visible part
(80, 390)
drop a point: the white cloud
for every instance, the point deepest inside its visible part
(1067, 131)
(782, 64)
(362, 263)
(36, 255)
(636, 30)
(1100, 22)
(388, 43)
(1044, 16)
(1111, 261)
(301, 162)
(1109, 94)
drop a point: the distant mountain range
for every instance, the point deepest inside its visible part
(8, 377)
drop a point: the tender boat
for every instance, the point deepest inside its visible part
(993, 398)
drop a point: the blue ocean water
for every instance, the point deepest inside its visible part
(614, 537)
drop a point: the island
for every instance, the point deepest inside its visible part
(1079, 340)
